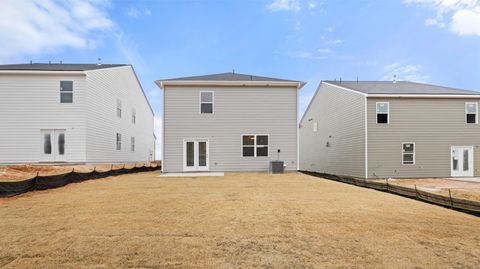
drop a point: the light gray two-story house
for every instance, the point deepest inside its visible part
(229, 122)
(397, 129)
(74, 113)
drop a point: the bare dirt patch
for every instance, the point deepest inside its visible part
(242, 220)
(459, 189)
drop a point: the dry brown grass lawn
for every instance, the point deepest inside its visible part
(242, 220)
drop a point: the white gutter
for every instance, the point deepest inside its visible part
(35, 72)
(376, 95)
(164, 83)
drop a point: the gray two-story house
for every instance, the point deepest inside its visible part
(229, 122)
(397, 129)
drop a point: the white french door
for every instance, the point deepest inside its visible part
(462, 161)
(195, 155)
(53, 145)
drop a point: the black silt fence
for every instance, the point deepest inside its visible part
(467, 206)
(12, 188)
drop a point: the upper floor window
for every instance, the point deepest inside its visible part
(383, 111)
(134, 116)
(471, 112)
(119, 108)
(255, 145)
(408, 153)
(206, 102)
(119, 141)
(66, 91)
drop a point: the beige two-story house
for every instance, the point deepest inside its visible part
(391, 129)
(229, 122)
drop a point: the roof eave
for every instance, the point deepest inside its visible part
(376, 95)
(40, 72)
(163, 83)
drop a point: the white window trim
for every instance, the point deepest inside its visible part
(118, 142)
(414, 153)
(200, 103)
(134, 116)
(119, 107)
(376, 112)
(476, 112)
(254, 146)
(60, 90)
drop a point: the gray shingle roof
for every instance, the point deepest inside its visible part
(228, 77)
(57, 67)
(400, 87)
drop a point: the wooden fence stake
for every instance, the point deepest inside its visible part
(387, 183)
(416, 192)
(450, 194)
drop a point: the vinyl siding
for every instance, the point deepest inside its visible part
(105, 86)
(433, 124)
(237, 111)
(340, 119)
(29, 103)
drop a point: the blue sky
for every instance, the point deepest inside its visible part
(433, 41)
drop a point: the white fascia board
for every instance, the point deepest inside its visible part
(423, 96)
(344, 88)
(164, 83)
(38, 72)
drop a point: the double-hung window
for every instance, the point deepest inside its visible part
(119, 108)
(206, 102)
(119, 141)
(255, 145)
(66, 91)
(134, 115)
(383, 112)
(471, 112)
(408, 153)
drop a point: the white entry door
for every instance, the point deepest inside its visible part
(53, 145)
(195, 155)
(462, 161)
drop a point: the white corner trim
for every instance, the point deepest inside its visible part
(366, 138)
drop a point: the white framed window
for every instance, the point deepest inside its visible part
(119, 108)
(315, 127)
(206, 102)
(132, 144)
(119, 141)
(383, 112)
(134, 115)
(408, 153)
(255, 145)
(66, 91)
(471, 112)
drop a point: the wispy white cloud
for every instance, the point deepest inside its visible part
(136, 13)
(404, 71)
(461, 16)
(334, 42)
(330, 29)
(31, 27)
(292, 5)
